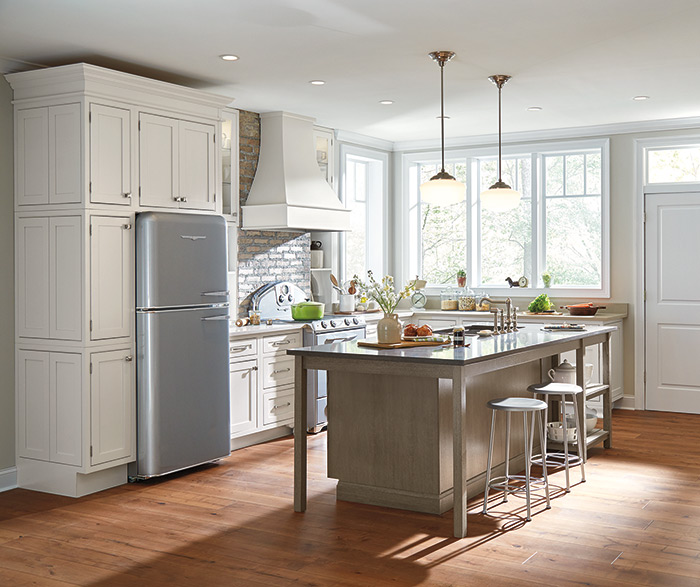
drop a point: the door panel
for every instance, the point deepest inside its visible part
(158, 160)
(65, 408)
(110, 155)
(111, 265)
(33, 277)
(65, 161)
(32, 165)
(672, 242)
(183, 389)
(33, 419)
(65, 278)
(197, 170)
(244, 393)
(111, 406)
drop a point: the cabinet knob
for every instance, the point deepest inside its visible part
(254, 368)
(128, 358)
(177, 199)
(126, 226)
(183, 199)
(127, 194)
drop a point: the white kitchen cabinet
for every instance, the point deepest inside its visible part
(49, 277)
(244, 394)
(278, 371)
(277, 406)
(325, 153)
(111, 283)
(229, 163)
(49, 406)
(48, 160)
(112, 406)
(176, 163)
(110, 155)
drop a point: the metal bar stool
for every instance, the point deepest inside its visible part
(522, 405)
(566, 392)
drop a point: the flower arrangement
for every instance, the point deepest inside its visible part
(383, 292)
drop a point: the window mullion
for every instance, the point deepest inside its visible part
(534, 208)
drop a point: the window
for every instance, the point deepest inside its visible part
(559, 226)
(364, 185)
(673, 164)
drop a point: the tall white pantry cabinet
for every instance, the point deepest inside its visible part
(92, 148)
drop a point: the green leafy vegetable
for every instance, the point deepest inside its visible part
(540, 304)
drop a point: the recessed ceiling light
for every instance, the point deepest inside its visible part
(229, 57)
(386, 102)
(317, 82)
(640, 98)
(534, 108)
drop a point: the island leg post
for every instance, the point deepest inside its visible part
(607, 396)
(300, 424)
(459, 452)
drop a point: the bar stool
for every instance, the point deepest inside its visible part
(522, 405)
(567, 392)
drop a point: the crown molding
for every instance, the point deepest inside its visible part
(361, 140)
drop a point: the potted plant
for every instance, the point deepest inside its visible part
(461, 278)
(547, 278)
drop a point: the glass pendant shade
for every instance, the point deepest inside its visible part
(442, 191)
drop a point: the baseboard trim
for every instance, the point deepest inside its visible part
(626, 402)
(8, 479)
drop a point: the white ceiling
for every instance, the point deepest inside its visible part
(581, 61)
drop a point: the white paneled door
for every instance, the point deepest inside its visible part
(672, 276)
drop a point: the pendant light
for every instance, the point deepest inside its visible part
(500, 197)
(442, 189)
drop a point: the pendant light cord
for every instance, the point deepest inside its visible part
(442, 112)
(500, 86)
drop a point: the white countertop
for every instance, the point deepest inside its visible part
(522, 316)
(248, 331)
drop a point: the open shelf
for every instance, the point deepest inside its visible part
(596, 437)
(593, 391)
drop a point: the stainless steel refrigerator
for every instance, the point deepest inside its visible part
(182, 333)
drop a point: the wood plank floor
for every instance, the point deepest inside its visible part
(635, 522)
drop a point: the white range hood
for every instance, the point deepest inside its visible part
(289, 192)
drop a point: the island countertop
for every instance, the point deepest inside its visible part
(479, 349)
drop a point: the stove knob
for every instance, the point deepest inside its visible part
(281, 299)
(347, 322)
(290, 298)
(333, 324)
(355, 321)
(324, 324)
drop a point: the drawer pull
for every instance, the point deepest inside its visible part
(127, 194)
(277, 407)
(240, 349)
(281, 370)
(281, 342)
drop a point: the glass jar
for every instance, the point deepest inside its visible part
(449, 299)
(485, 305)
(467, 300)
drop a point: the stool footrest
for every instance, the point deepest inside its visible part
(557, 459)
(502, 483)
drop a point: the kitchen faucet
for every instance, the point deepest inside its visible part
(508, 324)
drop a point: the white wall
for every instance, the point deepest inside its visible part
(7, 319)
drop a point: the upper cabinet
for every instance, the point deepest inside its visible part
(177, 163)
(229, 163)
(325, 153)
(110, 155)
(48, 163)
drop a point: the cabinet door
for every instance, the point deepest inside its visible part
(64, 154)
(65, 408)
(111, 267)
(33, 277)
(111, 406)
(244, 391)
(65, 278)
(32, 166)
(33, 420)
(110, 155)
(197, 166)
(158, 160)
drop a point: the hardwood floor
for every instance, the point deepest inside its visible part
(635, 522)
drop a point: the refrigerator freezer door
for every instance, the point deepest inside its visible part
(183, 389)
(180, 260)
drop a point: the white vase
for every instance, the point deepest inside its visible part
(389, 329)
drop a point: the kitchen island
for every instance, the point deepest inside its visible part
(398, 417)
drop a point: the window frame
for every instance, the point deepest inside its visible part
(410, 256)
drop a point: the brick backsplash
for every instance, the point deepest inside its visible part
(265, 255)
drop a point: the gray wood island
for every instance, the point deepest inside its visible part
(408, 428)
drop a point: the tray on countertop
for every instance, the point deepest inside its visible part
(401, 345)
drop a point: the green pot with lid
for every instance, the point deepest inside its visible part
(307, 311)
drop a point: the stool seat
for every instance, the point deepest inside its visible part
(556, 388)
(517, 404)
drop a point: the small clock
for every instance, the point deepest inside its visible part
(418, 299)
(522, 282)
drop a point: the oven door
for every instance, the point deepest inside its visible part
(316, 398)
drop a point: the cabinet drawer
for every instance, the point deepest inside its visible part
(281, 342)
(243, 347)
(278, 371)
(277, 406)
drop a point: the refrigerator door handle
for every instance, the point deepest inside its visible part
(216, 293)
(216, 318)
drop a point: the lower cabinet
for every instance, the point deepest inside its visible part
(244, 396)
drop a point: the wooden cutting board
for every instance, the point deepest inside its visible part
(400, 345)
